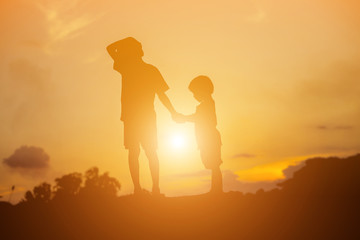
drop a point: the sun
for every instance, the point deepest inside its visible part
(177, 141)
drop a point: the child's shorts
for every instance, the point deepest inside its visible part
(144, 134)
(211, 157)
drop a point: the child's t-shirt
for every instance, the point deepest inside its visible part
(138, 93)
(207, 135)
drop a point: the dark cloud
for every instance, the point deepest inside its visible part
(338, 127)
(343, 127)
(28, 157)
(322, 127)
(243, 155)
(338, 148)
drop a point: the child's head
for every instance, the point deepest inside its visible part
(201, 87)
(130, 47)
(129, 50)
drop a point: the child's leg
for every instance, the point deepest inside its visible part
(134, 167)
(216, 182)
(154, 168)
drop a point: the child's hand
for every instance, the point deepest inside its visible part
(178, 117)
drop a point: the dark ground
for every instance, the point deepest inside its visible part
(321, 201)
(231, 216)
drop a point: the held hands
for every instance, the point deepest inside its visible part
(178, 117)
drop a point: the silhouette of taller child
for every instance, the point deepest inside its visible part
(140, 83)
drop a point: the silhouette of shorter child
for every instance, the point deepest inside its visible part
(207, 136)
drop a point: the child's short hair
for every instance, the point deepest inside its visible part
(201, 84)
(130, 47)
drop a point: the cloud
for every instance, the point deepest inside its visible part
(231, 183)
(4, 191)
(28, 157)
(322, 127)
(243, 155)
(64, 21)
(338, 127)
(324, 100)
(290, 170)
(27, 97)
(344, 127)
(231, 180)
(337, 148)
(27, 74)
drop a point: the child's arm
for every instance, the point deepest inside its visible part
(181, 118)
(112, 50)
(166, 101)
(189, 118)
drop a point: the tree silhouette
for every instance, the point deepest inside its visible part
(68, 185)
(72, 185)
(41, 193)
(325, 177)
(99, 185)
(29, 197)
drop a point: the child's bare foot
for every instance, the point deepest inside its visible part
(156, 192)
(139, 192)
(216, 192)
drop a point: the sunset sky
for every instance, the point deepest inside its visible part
(286, 76)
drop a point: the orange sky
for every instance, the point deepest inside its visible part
(286, 76)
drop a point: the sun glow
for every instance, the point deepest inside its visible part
(178, 141)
